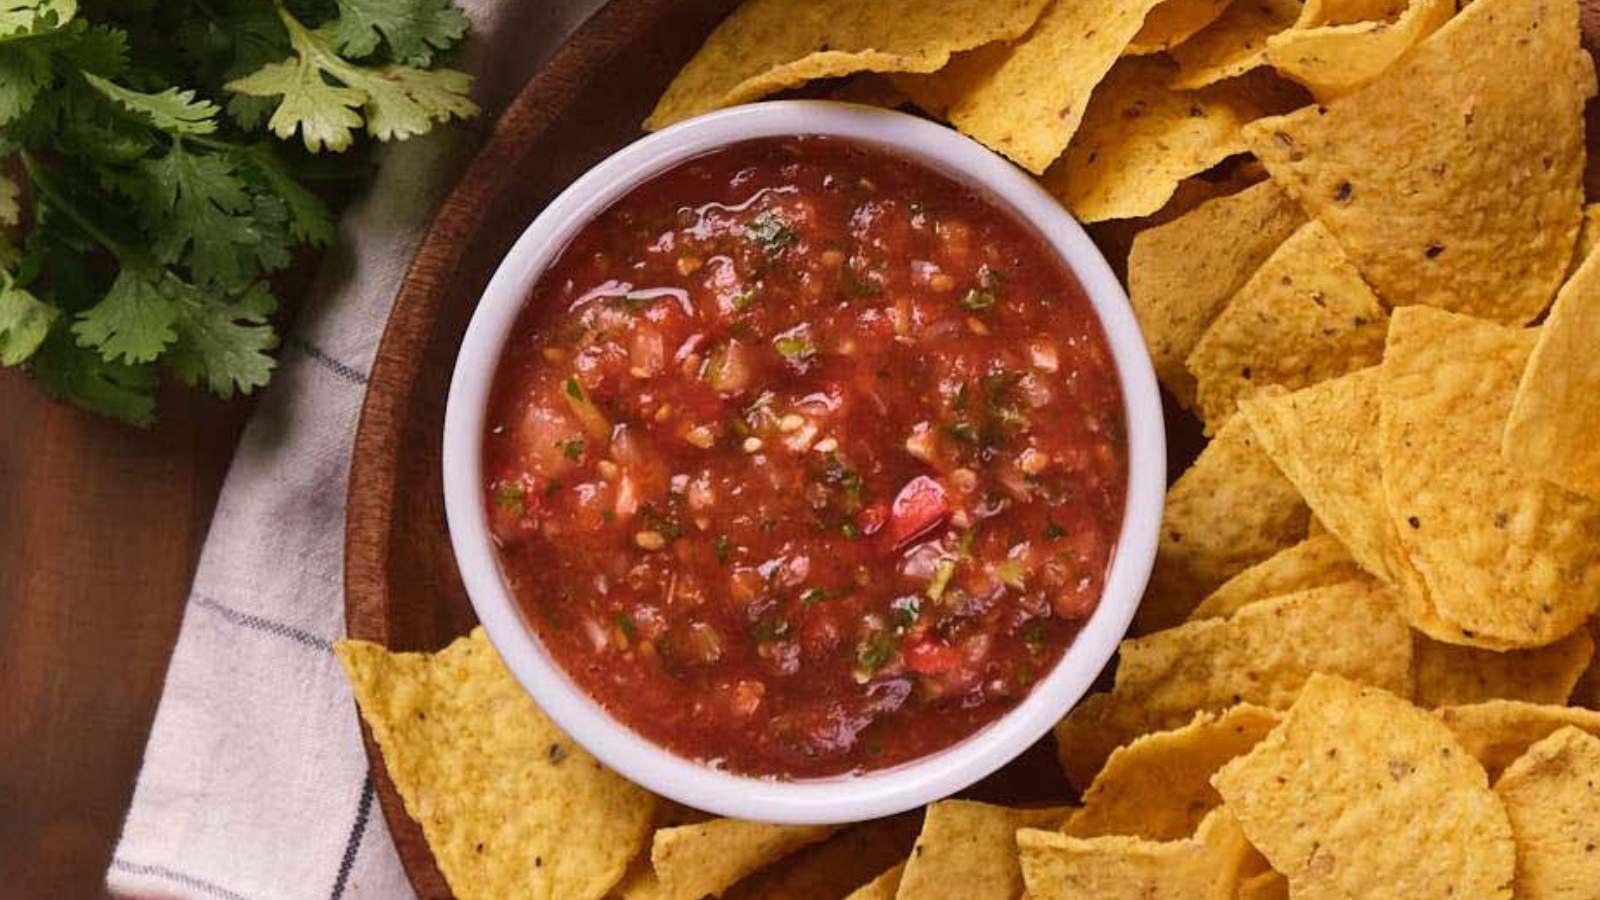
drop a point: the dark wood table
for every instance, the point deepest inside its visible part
(100, 526)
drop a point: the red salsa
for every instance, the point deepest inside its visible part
(805, 459)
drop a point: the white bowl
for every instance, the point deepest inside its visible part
(841, 798)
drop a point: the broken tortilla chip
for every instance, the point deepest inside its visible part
(1482, 216)
(1229, 511)
(1025, 100)
(968, 851)
(1448, 675)
(1159, 786)
(1556, 411)
(836, 865)
(707, 858)
(1552, 796)
(1208, 866)
(1333, 60)
(1139, 137)
(1342, 795)
(766, 46)
(1172, 22)
(1305, 316)
(1314, 562)
(1496, 732)
(1262, 655)
(1234, 44)
(510, 806)
(1181, 274)
(1507, 558)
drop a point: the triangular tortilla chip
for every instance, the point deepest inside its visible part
(1025, 99)
(1333, 60)
(1234, 44)
(1455, 178)
(1314, 562)
(1229, 511)
(1305, 316)
(884, 887)
(1172, 22)
(1353, 785)
(1208, 866)
(1159, 786)
(1555, 417)
(1552, 796)
(1448, 675)
(510, 806)
(1507, 558)
(707, 858)
(1139, 137)
(1181, 274)
(1496, 732)
(968, 851)
(766, 46)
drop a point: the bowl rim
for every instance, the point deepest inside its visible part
(841, 798)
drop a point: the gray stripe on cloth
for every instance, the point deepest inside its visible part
(353, 845)
(248, 620)
(166, 874)
(324, 359)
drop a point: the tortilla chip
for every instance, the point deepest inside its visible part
(766, 46)
(1334, 60)
(1305, 316)
(1158, 787)
(884, 887)
(1556, 412)
(1262, 655)
(1454, 178)
(1172, 22)
(1229, 511)
(1509, 559)
(1552, 795)
(707, 858)
(1181, 274)
(1264, 886)
(1314, 562)
(1139, 137)
(1354, 784)
(1208, 866)
(1498, 731)
(1026, 100)
(510, 806)
(1448, 675)
(1234, 44)
(1588, 236)
(968, 851)
(1318, 13)
(833, 867)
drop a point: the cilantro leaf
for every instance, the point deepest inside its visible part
(414, 29)
(24, 323)
(172, 110)
(134, 322)
(225, 344)
(20, 17)
(24, 73)
(9, 210)
(397, 101)
(200, 212)
(309, 219)
(65, 372)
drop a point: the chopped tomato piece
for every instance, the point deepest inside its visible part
(920, 507)
(929, 658)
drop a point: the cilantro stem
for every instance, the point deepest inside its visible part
(59, 204)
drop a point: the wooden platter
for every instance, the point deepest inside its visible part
(402, 588)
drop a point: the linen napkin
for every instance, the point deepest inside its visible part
(254, 784)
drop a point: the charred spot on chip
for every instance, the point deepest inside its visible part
(1414, 522)
(1433, 251)
(1342, 193)
(557, 753)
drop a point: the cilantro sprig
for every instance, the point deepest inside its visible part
(145, 203)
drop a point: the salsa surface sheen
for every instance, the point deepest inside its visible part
(804, 459)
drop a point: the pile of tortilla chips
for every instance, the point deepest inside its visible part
(1365, 665)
